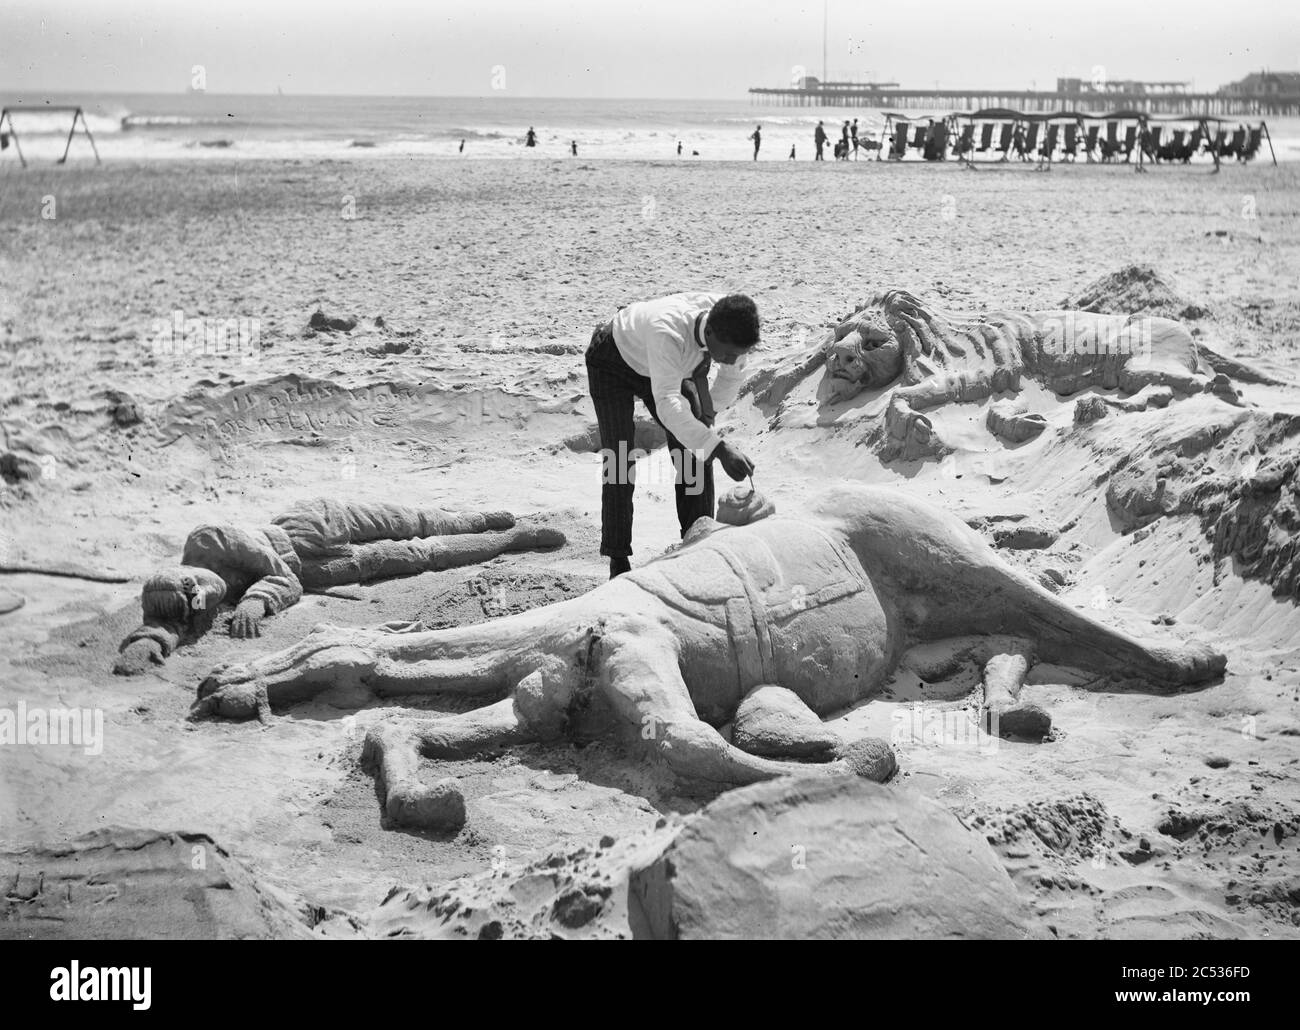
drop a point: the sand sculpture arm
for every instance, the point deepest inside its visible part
(175, 603)
(772, 386)
(239, 557)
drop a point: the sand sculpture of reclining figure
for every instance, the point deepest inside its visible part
(817, 610)
(930, 358)
(315, 545)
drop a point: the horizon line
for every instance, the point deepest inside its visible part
(4, 91)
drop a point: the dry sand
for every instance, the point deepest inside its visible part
(1149, 815)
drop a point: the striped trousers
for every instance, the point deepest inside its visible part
(615, 388)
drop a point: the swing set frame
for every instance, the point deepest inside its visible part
(78, 115)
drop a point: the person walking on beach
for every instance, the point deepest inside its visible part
(574, 148)
(757, 137)
(530, 138)
(819, 141)
(791, 151)
(844, 140)
(679, 148)
(462, 146)
(853, 131)
(661, 351)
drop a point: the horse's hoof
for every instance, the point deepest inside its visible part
(440, 807)
(872, 758)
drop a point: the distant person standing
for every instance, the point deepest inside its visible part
(853, 132)
(844, 140)
(791, 151)
(462, 146)
(679, 148)
(530, 139)
(757, 137)
(574, 148)
(819, 140)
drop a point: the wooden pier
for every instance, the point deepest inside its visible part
(832, 94)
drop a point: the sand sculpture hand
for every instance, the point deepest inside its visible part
(247, 620)
(911, 434)
(137, 657)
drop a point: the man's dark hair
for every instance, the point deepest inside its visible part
(735, 319)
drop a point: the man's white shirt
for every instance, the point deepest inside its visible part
(664, 340)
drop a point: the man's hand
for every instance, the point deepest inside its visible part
(247, 620)
(733, 461)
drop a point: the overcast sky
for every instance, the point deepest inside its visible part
(658, 48)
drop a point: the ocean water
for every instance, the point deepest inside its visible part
(196, 126)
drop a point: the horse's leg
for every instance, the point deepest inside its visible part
(475, 660)
(644, 684)
(394, 751)
(536, 710)
(1003, 714)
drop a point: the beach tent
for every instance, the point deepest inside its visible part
(1071, 139)
(11, 134)
(898, 149)
(1049, 143)
(1004, 139)
(907, 130)
(965, 142)
(1031, 137)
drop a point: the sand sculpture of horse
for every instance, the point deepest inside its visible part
(929, 358)
(816, 611)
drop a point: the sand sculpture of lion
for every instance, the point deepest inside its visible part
(929, 358)
(813, 612)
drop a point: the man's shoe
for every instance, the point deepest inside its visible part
(618, 566)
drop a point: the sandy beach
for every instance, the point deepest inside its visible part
(475, 287)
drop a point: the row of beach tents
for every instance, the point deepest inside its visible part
(1121, 136)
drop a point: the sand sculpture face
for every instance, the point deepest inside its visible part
(865, 354)
(788, 618)
(182, 593)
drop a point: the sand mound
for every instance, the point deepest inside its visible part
(581, 893)
(1238, 477)
(1070, 828)
(831, 858)
(1135, 289)
(294, 407)
(116, 884)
